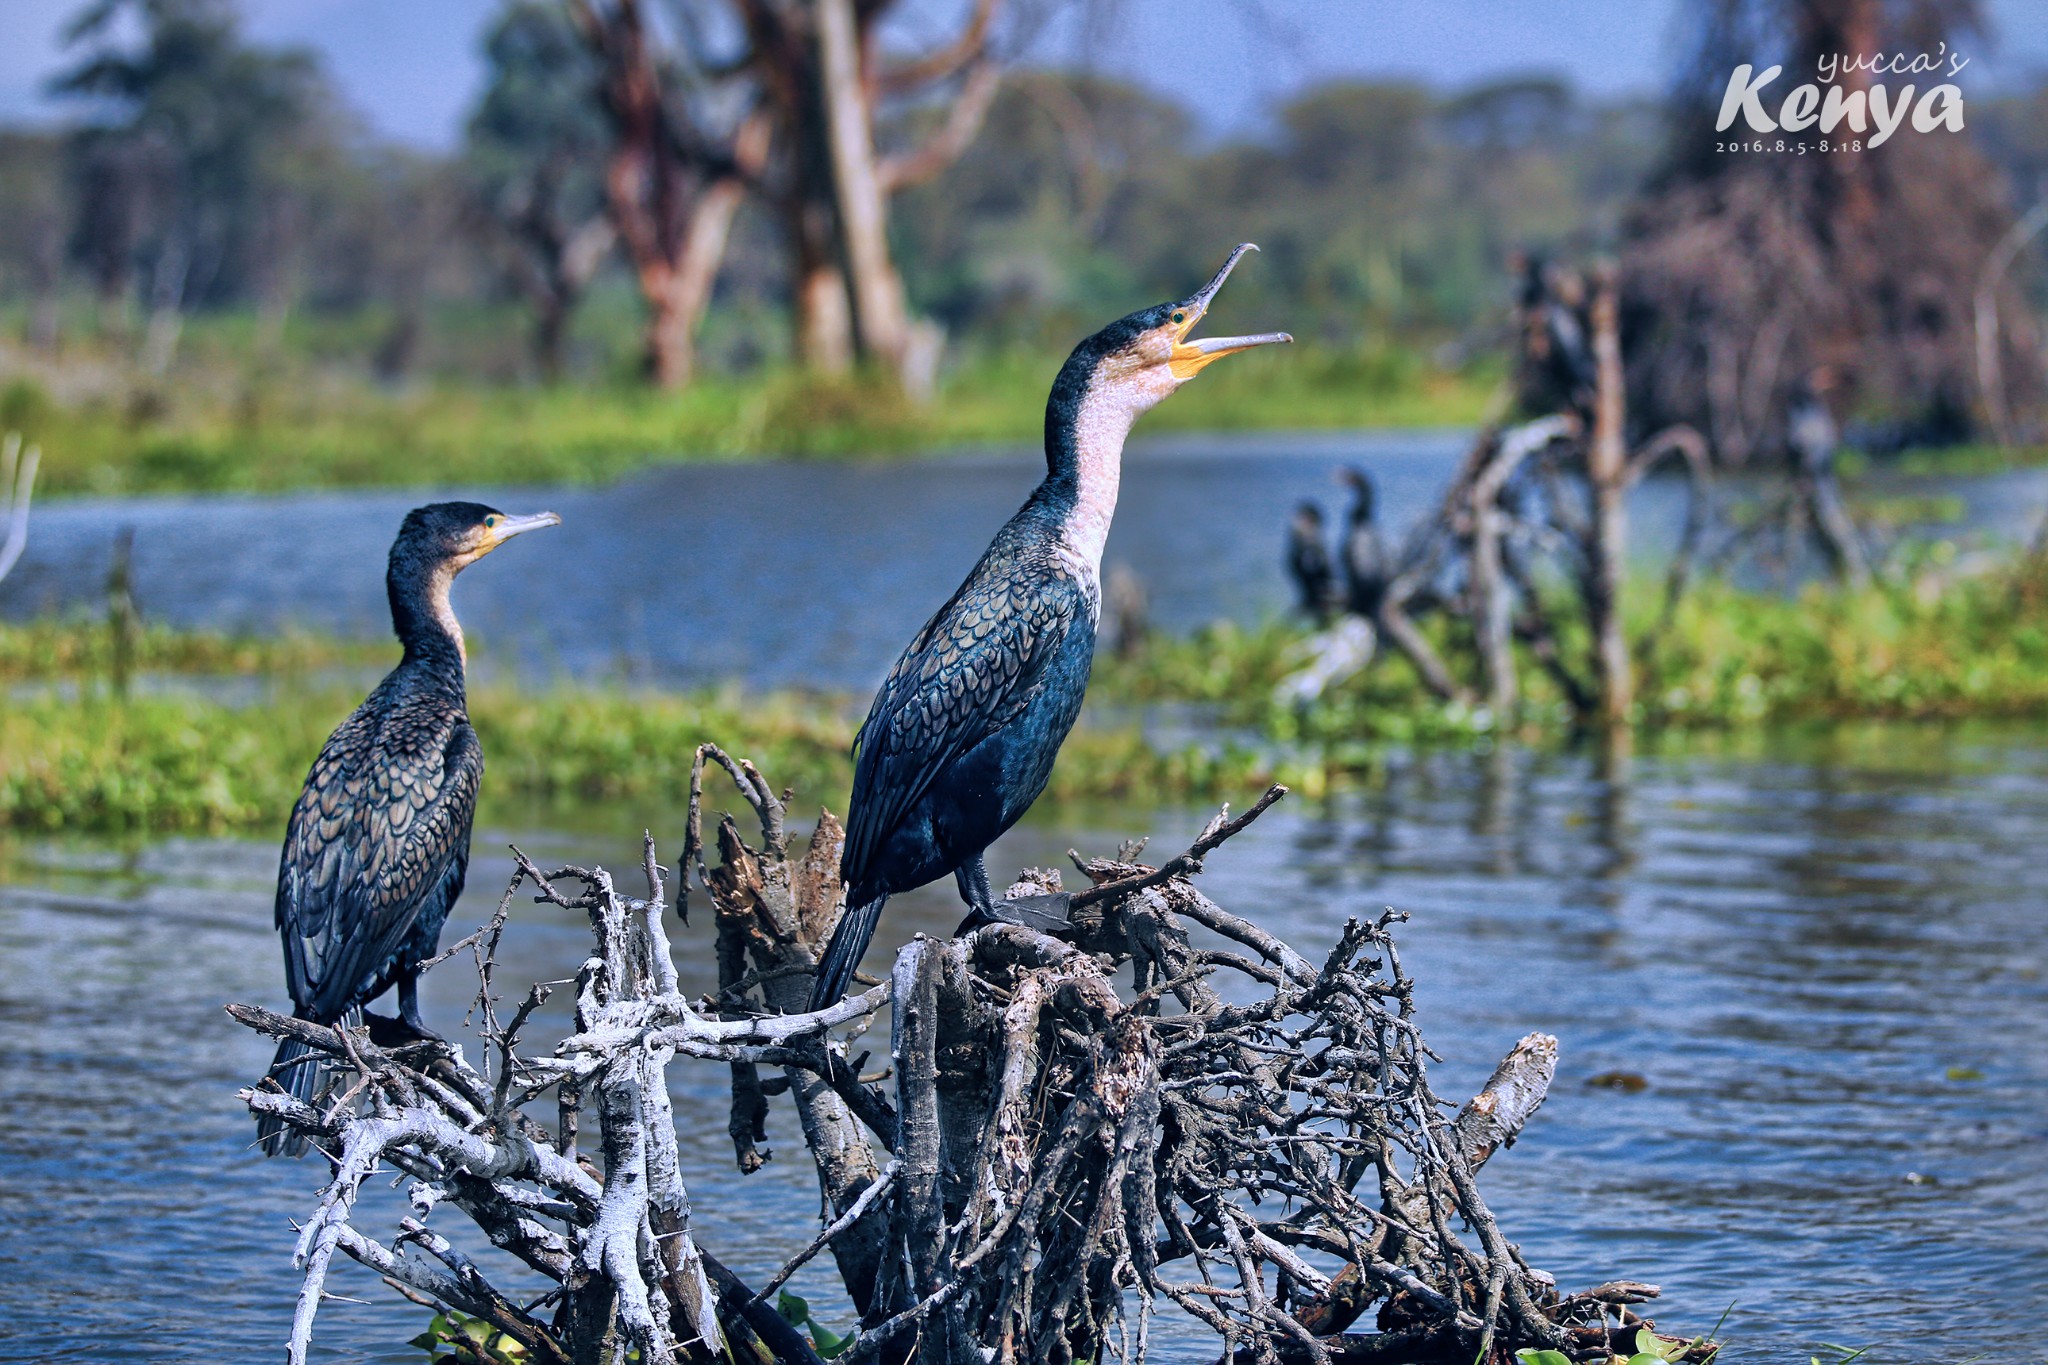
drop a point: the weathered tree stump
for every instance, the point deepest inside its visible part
(1234, 1134)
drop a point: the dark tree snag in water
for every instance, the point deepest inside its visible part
(1238, 1136)
(1530, 540)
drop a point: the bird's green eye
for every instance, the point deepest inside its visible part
(1180, 317)
(490, 522)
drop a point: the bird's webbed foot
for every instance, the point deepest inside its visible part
(414, 1027)
(393, 1031)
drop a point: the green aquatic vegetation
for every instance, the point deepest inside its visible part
(796, 1312)
(1839, 1355)
(187, 762)
(454, 1338)
(1915, 509)
(1942, 646)
(1650, 1349)
(42, 651)
(74, 757)
(1961, 460)
(1938, 648)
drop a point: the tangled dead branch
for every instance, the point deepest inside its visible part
(1529, 543)
(1237, 1137)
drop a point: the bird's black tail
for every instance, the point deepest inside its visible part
(300, 1072)
(849, 944)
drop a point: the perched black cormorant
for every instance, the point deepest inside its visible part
(962, 736)
(378, 842)
(1557, 344)
(1308, 562)
(1365, 559)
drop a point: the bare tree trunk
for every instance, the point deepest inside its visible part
(881, 322)
(167, 306)
(679, 290)
(1990, 370)
(17, 487)
(824, 317)
(1492, 585)
(1607, 472)
(1493, 615)
(672, 197)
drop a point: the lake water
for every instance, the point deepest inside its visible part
(804, 574)
(1825, 957)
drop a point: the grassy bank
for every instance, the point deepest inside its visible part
(72, 757)
(182, 762)
(1938, 648)
(273, 431)
(43, 651)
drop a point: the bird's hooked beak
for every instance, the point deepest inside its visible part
(502, 529)
(1189, 357)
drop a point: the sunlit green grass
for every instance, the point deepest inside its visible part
(289, 429)
(183, 762)
(37, 651)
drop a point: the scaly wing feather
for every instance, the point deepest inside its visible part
(382, 824)
(971, 670)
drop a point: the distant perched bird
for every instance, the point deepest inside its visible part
(1813, 439)
(962, 736)
(378, 843)
(1556, 346)
(1308, 562)
(1365, 559)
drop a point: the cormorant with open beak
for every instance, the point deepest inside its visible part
(378, 843)
(962, 736)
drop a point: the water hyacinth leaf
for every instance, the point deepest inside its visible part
(1529, 1355)
(1652, 1348)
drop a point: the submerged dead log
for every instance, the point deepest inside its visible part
(1053, 1163)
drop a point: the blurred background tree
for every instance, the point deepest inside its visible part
(1751, 277)
(535, 148)
(739, 185)
(189, 177)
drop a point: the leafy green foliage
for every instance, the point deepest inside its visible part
(1650, 1349)
(796, 1312)
(458, 1339)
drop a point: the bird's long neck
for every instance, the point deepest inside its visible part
(1084, 455)
(423, 619)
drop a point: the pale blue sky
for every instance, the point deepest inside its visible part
(410, 67)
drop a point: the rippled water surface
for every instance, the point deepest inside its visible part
(1825, 958)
